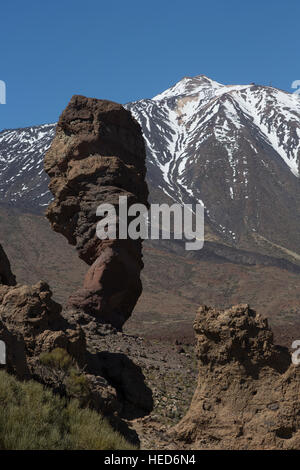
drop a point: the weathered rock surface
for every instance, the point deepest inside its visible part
(248, 391)
(97, 155)
(31, 323)
(6, 276)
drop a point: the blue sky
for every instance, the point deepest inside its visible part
(128, 50)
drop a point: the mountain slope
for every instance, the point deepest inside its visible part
(23, 181)
(166, 308)
(235, 149)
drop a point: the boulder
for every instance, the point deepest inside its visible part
(30, 324)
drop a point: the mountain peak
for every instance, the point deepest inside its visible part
(188, 86)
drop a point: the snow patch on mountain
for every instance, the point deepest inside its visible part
(22, 177)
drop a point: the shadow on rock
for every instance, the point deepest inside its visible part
(122, 427)
(128, 380)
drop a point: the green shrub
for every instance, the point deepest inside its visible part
(63, 370)
(77, 386)
(32, 417)
(58, 358)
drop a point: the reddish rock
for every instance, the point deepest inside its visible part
(98, 154)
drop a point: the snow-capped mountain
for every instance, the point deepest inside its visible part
(235, 149)
(23, 181)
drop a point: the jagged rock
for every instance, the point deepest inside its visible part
(31, 323)
(6, 276)
(247, 395)
(97, 155)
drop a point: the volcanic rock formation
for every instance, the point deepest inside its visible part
(97, 155)
(248, 391)
(31, 323)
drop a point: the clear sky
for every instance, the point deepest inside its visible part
(132, 49)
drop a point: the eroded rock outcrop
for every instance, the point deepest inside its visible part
(97, 155)
(247, 395)
(6, 276)
(31, 323)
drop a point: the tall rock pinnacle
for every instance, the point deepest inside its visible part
(97, 155)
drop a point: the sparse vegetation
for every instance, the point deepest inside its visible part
(33, 418)
(58, 358)
(59, 365)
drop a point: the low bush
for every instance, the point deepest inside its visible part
(34, 418)
(61, 368)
